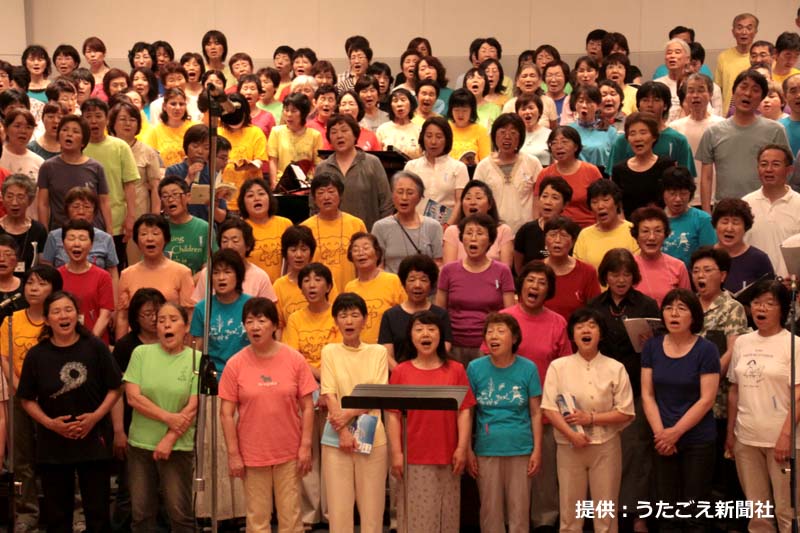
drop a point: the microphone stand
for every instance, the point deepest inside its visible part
(14, 486)
(207, 382)
(792, 470)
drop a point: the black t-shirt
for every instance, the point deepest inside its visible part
(529, 241)
(394, 326)
(641, 188)
(25, 244)
(70, 380)
(122, 355)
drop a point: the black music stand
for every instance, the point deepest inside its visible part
(405, 398)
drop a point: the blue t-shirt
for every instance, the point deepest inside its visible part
(503, 419)
(226, 335)
(690, 231)
(182, 170)
(662, 71)
(676, 383)
(103, 253)
(596, 144)
(792, 132)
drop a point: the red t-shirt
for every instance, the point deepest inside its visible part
(574, 290)
(3, 175)
(94, 292)
(432, 435)
(266, 392)
(576, 209)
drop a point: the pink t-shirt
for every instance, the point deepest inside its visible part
(471, 296)
(574, 289)
(171, 279)
(265, 121)
(432, 435)
(504, 235)
(266, 392)
(576, 209)
(94, 291)
(367, 141)
(544, 337)
(661, 276)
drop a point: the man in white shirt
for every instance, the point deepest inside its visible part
(775, 206)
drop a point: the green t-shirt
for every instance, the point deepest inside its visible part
(167, 381)
(276, 108)
(188, 244)
(120, 167)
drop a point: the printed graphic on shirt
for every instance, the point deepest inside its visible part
(72, 375)
(754, 374)
(311, 342)
(331, 251)
(501, 394)
(267, 253)
(226, 329)
(266, 381)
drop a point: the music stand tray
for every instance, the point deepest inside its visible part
(405, 398)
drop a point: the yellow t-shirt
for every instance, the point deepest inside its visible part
(380, 293)
(333, 237)
(629, 102)
(778, 78)
(592, 244)
(344, 367)
(247, 143)
(267, 251)
(288, 147)
(25, 336)
(168, 142)
(309, 332)
(474, 138)
(729, 64)
(291, 299)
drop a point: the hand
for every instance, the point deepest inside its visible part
(86, 422)
(535, 463)
(580, 418)
(782, 451)
(472, 463)
(63, 426)
(194, 170)
(339, 419)
(163, 449)
(667, 451)
(459, 461)
(244, 164)
(579, 440)
(397, 465)
(730, 442)
(127, 228)
(235, 465)
(120, 444)
(347, 443)
(304, 460)
(178, 422)
(667, 438)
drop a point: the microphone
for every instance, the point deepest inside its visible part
(222, 99)
(8, 301)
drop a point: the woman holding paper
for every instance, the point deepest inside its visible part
(588, 399)
(354, 472)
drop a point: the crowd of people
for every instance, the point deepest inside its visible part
(539, 219)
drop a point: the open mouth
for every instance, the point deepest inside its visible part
(169, 335)
(348, 331)
(674, 322)
(150, 247)
(426, 342)
(472, 210)
(701, 284)
(473, 248)
(760, 316)
(494, 345)
(76, 253)
(586, 339)
(602, 216)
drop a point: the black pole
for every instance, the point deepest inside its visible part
(793, 407)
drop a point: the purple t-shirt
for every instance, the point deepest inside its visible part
(471, 296)
(676, 383)
(747, 268)
(58, 177)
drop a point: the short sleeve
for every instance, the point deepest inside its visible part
(504, 234)
(106, 290)
(650, 348)
(534, 384)
(704, 152)
(551, 385)
(444, 277)
(461, 379)
(49, 253)
(133, 374)
(451, 236)
(735, 354)
(506, 279)
(229, 384)
(196, 326)
(327, 372)
(124, 298)
(385, 331)
(306, 384)
(709, 362)
(461, 175)
(290, 336)
(382, 368)
(186, 288)
(623, 393)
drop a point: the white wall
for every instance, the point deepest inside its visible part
(258, 26)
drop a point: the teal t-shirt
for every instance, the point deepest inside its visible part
(670, 143)
(792, 128)
(689, 232)
(166, 380)
(226, 331)
(503, 419)
(188, 244)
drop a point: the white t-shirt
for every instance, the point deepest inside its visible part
(442, 179)
(773, 223)
(760, 367)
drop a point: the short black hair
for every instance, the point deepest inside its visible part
(339, 118)
(295, 235)
(678, 178)
(658, 90)
(69, 51)
(595, 35)
(583, 315)
(788, 40)
(412, 102)
(271, 73)
(272, 209)
(359, 105)
(79, 120)
(720, 256)
(500, 72)
(478, 184)
(141, 46)
(59, 85)
(562, 223)
(307, 53)
(697, 52)
(429, 83)
(471, 73)
(510, 322)
(569, 133)
(326, 179)
(682, 29)
(131, 109)
(85, 75)
(788, 158)
(152, 221)
(463, 98)
(508, 119)
(246, 229)
(733, 207)
(418, 263)
(649, 213)
(217, 36)
(46, 273)
(94, 103)
(195, 134)
(558, 184)
(610, 39)
(152, 82)
(691, 301)
(429, 318)
(165, 47)
(77, 225)
(228, 257)
(604, 187)
(283, 49)
(441, 71)
(347, 301)
(618, 259)
(173, 180)
(754, 76)
(318, 269)
(537, 267)
(9, 242)
(590, 92)
(260, 306)
(140, 298)
(485, 221)
(778, 291)
(300, 102)
(37, 51)
(443, 125)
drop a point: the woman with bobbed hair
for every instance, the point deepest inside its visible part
(510, 173)
(292, 141)
(400, 132)
(115, 81)
(595, 391)
(368, 89)
(167, 136)
(443, 176)
(144, 82)
(215, 51)
(477, 82)
(732, 218)
(37, 64)
(142, 55)
(470, 139)
(15, 156)
(94, 50)
(528, 80)
(350, 104)
(680, 378)
(596, 138)
(529, 108)
(431, 68)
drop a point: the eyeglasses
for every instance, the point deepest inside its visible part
(707, 271)
(172, 196)
(768, 304)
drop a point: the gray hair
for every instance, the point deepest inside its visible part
(413, 177)
(683, 44)
(20, 180)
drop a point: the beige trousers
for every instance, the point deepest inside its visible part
(355, 478)
(505, 492)
(261, 484)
